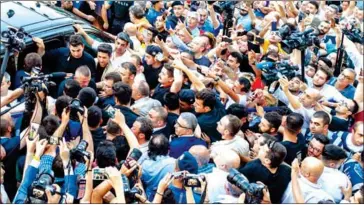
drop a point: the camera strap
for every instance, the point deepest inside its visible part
(203, 195)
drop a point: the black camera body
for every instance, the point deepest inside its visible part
(253, 191)
(44, 181)
(130, 192)
(298, 41)
(75, 107)
(14, 38)
(274, 71)
(79, 152)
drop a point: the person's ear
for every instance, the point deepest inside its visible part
(141, 136)
(207, 108)
(226, 132)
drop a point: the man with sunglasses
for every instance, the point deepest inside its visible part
(269, 170)
(185, 127)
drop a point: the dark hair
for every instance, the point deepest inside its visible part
(158, 146)
(283, 110)
(48, 126)
(76, 40)
(122, 147)
(113, 128)
(106, 154)
(57, 167)
(237, 110)
(168, 197)
(137, 11)
(274, 119)
(105, 48)
(169, 69)
(333, 152)
(234, 124)
(208, 97)
(244, 81)
(146, 127)
(94, 116)
(294, 122)
(87, 96)
(122, 92)
(355, 109)
(238, 56)
(326, 61)
(32, 60)
(326, 71)
(137, 58)
(72, 88)
(4, 124)
(129, 66)
(276, 154)
(61, 103)
(323, 139)
(315, 3)
(322, 115)
(114, 76)
(171, 101)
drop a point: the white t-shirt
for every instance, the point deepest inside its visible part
(242, 100)
(115, 61)
(331, 186)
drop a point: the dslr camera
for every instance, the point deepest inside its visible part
(253, 191)
(74, 107)
(44, 181)
(79, 152)
(130, 193)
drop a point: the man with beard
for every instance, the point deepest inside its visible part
(319, 82)
(240, 111)
(244, 18)
(324, 41)
(197, 47)
(177, 15)
(294, 87)
(160, 26)
(304, 104)
(344, 83)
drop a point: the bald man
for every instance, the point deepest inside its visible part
(202, 155)
(311, 191)
(217, 180)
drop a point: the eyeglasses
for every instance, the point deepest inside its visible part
(310, 146)
(345, 76)
(179, 125)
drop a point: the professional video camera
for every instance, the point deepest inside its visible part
(274, 71)
(44, 182)
(227, 9)
(79, 152)
(14, 38)
(298, 41)
(353, 33)
(75, 106)
(253, 191)
(130, 193)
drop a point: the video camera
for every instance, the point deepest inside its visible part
(253, 191)
(36, 193)
(273, 71)
(296, 40)
(14, 38)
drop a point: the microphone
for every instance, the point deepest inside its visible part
(56, 75)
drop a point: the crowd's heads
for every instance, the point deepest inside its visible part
(32, 60)
(128, 72)
(121, 43)
(201, 153)
(294, 123)
(104, 52)
(333, 156)
(178, 8)
(94, 118)
(166, 77)
(171, 101)
(270, 123)
(87, 96)
(110, 79)
(151, 53)
(228, 126)
(272, 154)
(226, 159)
(122, 93)
(158, 146)
(205, 101)
(186, 124)
(309, 97)
(136, 12)
(316, 145)
(140, 90)
(76, 46)
(62, 102)
(83, 76)
(158, 115)
(186, 100)
(187, 162)
(142, 128)
(319, 123)
(106, 154)
(72, 88)
(358, 134)
(312, 169)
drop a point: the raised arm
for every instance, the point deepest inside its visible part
(224, 86)
(119, 118)
(82, 32)
(178, 64)
(293, 101)
(104, 9)
(86, 133)
(215, 21)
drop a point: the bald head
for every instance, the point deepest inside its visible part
(130, 29)
(312, 169)
(201, 153)
(227, 159)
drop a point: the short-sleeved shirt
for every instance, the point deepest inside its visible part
(293, 148)
(348, 92)
(120, 9)
(151, 74)
(204, 61)
(159, 93)
(355, 173)
(152, 15)
(332, 187)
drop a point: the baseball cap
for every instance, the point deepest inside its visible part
(187, 96)
(187, 162)
(153, 50)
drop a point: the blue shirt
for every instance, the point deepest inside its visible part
(152, 15)
(245, 21)
(19, 76)
(355, 173)
(182, 144)
(180, 195)
(154, 171)
(203, 61)
(348, 92)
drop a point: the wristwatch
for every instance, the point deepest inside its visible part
(217, 79)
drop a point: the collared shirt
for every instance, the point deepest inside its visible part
(332, 187)
(347, 92)
(329, 92)
(143, 105)
(115, 61)
(355, 172)
(144, 149)
(154, 171)
(312, 193)
(237, 144)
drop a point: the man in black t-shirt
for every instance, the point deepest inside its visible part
(152, 66)
(269, 170)
(119, 16)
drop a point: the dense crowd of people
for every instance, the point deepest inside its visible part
(194, 102)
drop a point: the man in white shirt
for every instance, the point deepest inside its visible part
(131, 30)
(333, 157)
(228, 127)
(311, 191)
(217, 180)
(304, 104)
(143, 103)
